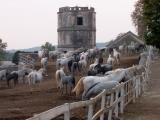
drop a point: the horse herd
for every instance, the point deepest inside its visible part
(94, 79)
(22, 75)
(99, 76)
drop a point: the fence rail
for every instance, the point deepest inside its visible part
(118, 99)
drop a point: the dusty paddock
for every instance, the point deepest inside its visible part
(18, 103)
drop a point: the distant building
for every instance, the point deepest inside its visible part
(125, 39)
(76, 28)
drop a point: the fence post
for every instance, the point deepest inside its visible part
(122, 99)
(143, 82)
(67, 113)
(116, 107)
(139, 82)
(137, 87)
(103, 105)
(90, 111)
(110, 111)
(134, 89)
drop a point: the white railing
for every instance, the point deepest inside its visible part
(119, 98)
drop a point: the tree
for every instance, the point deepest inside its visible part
(151, 16)
(15, 58)
(2, 49)
(137, 18)
(48, 46)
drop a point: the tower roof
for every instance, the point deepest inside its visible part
(130, 34)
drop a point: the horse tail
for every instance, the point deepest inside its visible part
(73, 80)
(72, 68)
(79, 87)
(29, 79)
(58, 78)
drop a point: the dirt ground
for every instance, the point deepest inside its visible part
(19, 103)
(147, 107)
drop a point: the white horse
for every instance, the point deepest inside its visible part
(99, 87)
(117, 75)
(83, 55)
(116, 55)
(143, 59)
(22, 73)
(69, 54)
(131, 48)
(40, 54)
(3, 74)
(44, 63)
(110, 72)
(91, 67)
(92, 53)
(63, 79)
(57, 75)
(86, 82)
(110, 60)
(83, 63)
(63, 62)
(35, 76)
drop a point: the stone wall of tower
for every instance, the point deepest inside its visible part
(71, 35)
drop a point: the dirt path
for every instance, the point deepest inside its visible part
(18, 103)
(147, 107)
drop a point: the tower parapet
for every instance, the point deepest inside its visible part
(76, 8)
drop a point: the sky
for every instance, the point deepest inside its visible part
(30, 23)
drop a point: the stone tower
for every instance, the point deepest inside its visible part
(76, 28)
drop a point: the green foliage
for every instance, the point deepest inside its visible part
(2, 55)
(15, 58)
(48, 46)
(137, 18)
(8, 56)
(151, 15)
(2, 49)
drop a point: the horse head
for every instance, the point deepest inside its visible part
(140, 69)
(42, 71)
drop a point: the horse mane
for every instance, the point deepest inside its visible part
(89, 90)
(79, 87)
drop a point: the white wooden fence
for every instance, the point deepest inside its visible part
(119, 98)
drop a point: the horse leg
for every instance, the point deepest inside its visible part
(118, 61)
(70, 90)
(78, 67)
(62, 89)
(15, 81)
(24, 79)
(8, 83)
(66, 88)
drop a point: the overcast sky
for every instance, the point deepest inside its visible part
(29, 23)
